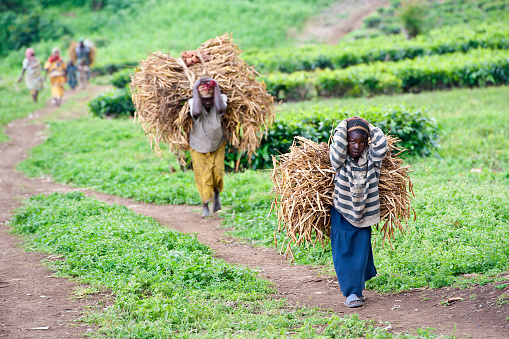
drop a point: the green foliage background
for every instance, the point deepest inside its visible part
(167, 283)
(114, 158)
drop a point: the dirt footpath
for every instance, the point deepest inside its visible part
(36, 305)
(337, 21)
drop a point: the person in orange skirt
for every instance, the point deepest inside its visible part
(57, 71)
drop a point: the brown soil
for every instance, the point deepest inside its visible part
(335, 22)
(31, 298)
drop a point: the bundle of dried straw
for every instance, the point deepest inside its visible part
(304, 187)
(162, 85)
(71, 52)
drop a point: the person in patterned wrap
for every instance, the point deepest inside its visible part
(207, 141)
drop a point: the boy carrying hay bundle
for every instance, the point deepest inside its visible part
(207, 141)
(178, 106)
(340, 192)
(356, 203)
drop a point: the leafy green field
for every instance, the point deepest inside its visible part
(167, 284)
(478, 67)
(178, 26)
(149, 26)
(460, 192)
(459, 38)
(432, 14)
(16, 102)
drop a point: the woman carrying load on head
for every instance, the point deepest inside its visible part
(33, 69)
(207, 141)
(56, 69)
(356, 155)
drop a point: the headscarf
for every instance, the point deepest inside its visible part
(206, 89)
(30, 54)
(55, 55)
(197, 103)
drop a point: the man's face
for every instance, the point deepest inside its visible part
(356, 143)
(207, 102)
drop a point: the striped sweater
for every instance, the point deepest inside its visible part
(356, 184)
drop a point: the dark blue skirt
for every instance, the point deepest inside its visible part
(352, 254)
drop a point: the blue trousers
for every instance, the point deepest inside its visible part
(352, 254)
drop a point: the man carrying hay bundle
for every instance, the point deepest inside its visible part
(207, 141)
(356, 156)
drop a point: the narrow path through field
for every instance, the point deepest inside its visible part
(30, 298)
(335, 22)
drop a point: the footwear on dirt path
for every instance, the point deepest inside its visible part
(32, 299)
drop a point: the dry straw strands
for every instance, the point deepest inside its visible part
(71, 51)
(162, 85)
(304, 187)
(394, 188)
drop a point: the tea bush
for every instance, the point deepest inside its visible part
(122, 78)
(418, 133)
(460, 38)
(478, 67)
(114, 103)
(112, 68)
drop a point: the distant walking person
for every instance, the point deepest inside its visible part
(207, 141)
(33, 69)
(72, 77)
(83, 54)
(83, 73)
(56, 70)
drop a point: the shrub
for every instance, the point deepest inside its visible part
(20, 30)
(412, 15)
(418, 133)
(115, 103)
(113, 68)
(122, 78)
(372, 21)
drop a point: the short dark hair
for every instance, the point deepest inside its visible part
(362, 129)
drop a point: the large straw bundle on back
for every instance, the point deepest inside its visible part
(162, 85)
(304, 187)
(71, 51)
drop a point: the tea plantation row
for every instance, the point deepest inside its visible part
(478, 67)
(459, 38)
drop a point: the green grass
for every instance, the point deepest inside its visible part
(16, 102)
(130, 34)
(436, 14)
(111, 156)
(178, 26)
(460, 192)
(165, 283)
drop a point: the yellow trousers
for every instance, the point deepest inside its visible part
(208, 172)
(57, 86)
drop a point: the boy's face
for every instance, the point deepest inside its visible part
(357, 142)
(207, 102)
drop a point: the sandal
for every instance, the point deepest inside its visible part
(362, 298)
(353, 301)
